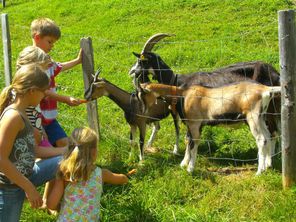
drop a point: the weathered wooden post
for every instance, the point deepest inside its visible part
(287, 45)
(88, 70)
(6, 48)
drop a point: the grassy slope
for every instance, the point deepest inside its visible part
(209, 34)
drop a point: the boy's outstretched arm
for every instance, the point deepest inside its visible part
(70, 64)
(69, 100)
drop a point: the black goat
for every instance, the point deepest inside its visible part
(133, 110)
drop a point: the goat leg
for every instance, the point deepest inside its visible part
(133, 144)
(155, 129)
(189, 146)
(142, 129)
(177, 130)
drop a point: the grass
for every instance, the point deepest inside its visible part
(209, 34)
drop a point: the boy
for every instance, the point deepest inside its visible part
(44, 34)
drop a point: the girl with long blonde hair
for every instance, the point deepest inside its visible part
(19, 174)
(79, 181)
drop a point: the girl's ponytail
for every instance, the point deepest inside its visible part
(78, 162)
(6, 97)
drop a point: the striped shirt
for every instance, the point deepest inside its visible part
(35, 117)
(48, 105)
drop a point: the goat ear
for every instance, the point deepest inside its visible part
(137, 55)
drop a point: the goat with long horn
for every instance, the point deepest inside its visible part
(150, 63)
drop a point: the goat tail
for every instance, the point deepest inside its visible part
(268, 95)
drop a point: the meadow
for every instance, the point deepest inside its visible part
(208, 34)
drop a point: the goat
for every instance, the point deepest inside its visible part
(151, 63)
(203, 105)
(132, 107)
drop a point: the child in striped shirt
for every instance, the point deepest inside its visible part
(45, 33)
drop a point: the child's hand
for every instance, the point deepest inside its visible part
(71, 101)
(131, 172)
(33, 197)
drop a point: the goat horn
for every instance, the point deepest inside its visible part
(153, 40)
(97, 74)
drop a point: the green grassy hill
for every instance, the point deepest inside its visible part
(209, 34)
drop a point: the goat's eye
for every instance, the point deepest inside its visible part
(142, 57)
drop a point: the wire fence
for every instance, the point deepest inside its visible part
(179, 67)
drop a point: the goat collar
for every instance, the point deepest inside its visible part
(174, 98)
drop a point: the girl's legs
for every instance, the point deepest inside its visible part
(45, 170)
(56, 134)
(11, 203)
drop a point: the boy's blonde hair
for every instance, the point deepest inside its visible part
(33, 54)
(30, 76)
(45, 27)
(78, 163)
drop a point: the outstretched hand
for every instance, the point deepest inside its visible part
(71, 101)
(131, 172)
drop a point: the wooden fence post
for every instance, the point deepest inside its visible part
(287, 46)
(6, 48)
(88, 70)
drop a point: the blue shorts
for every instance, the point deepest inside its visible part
(54, 132)
(12, 199)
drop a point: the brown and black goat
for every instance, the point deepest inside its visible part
(203, 105)
(133, 110)
(151, 63)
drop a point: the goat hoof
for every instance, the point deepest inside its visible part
(190, 169)
(175, 151)
(183, 164)
(141, 163)
(259, 172)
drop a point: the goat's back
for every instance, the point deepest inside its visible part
(209, 103)
(258, 71)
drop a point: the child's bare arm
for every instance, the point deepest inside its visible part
(55, 195)
(113, 178)
(70, 64)
(69, 100)
(47, 152)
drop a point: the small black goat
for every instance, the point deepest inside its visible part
(151, 63)
(133, 110)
